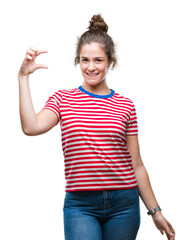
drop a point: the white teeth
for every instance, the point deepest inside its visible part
(92, 75)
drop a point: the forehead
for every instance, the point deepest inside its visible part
(92, 50)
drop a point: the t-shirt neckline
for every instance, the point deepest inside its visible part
(96, 95)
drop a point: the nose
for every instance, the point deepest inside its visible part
(91, 66)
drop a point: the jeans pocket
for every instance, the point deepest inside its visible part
(132, 194)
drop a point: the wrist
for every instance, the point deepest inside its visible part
(154, 210)
(23, 77)
(158, 213)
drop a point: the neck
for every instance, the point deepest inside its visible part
(101, 88)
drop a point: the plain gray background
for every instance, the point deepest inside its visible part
(154, 47)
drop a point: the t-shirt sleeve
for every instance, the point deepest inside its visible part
(132, 125)
(53, 103)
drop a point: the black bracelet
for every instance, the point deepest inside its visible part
(154, 210)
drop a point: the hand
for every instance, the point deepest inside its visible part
(163, 225)
(29, 66)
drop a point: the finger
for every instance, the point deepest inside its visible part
(161, 232)
(36, 51)
(41, 66)
(172, 236)
(168, 236)
(172, 232)
(41, 51)
(31, 53)
(168, 232)
(33, 49)
(29, 57)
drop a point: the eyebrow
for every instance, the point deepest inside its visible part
(87, 57)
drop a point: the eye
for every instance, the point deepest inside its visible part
(98, 60)
(84, 60)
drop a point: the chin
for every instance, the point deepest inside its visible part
(93, 81)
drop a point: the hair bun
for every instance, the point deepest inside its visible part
(98, 23)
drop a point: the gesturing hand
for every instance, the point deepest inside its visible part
(29, 66)
(163, 225)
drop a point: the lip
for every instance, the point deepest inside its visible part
(92, 75)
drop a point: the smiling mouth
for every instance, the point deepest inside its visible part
(92, 75)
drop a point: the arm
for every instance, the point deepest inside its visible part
(32, 123)
(144, 186)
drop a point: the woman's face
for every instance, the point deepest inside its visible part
(93, 63)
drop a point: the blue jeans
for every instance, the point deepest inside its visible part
(102, 214)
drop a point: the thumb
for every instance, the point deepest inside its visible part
(41, 66)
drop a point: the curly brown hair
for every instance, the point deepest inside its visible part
(97, 33)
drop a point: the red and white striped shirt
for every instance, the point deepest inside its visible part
(93, 134)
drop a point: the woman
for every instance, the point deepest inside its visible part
(104, 171)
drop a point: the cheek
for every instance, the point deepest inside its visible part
(82, 68)
(103, 69)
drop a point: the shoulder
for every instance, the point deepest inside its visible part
(66, 93)
(125, 100)
(128, 104)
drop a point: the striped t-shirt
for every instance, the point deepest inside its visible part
(93, 134)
